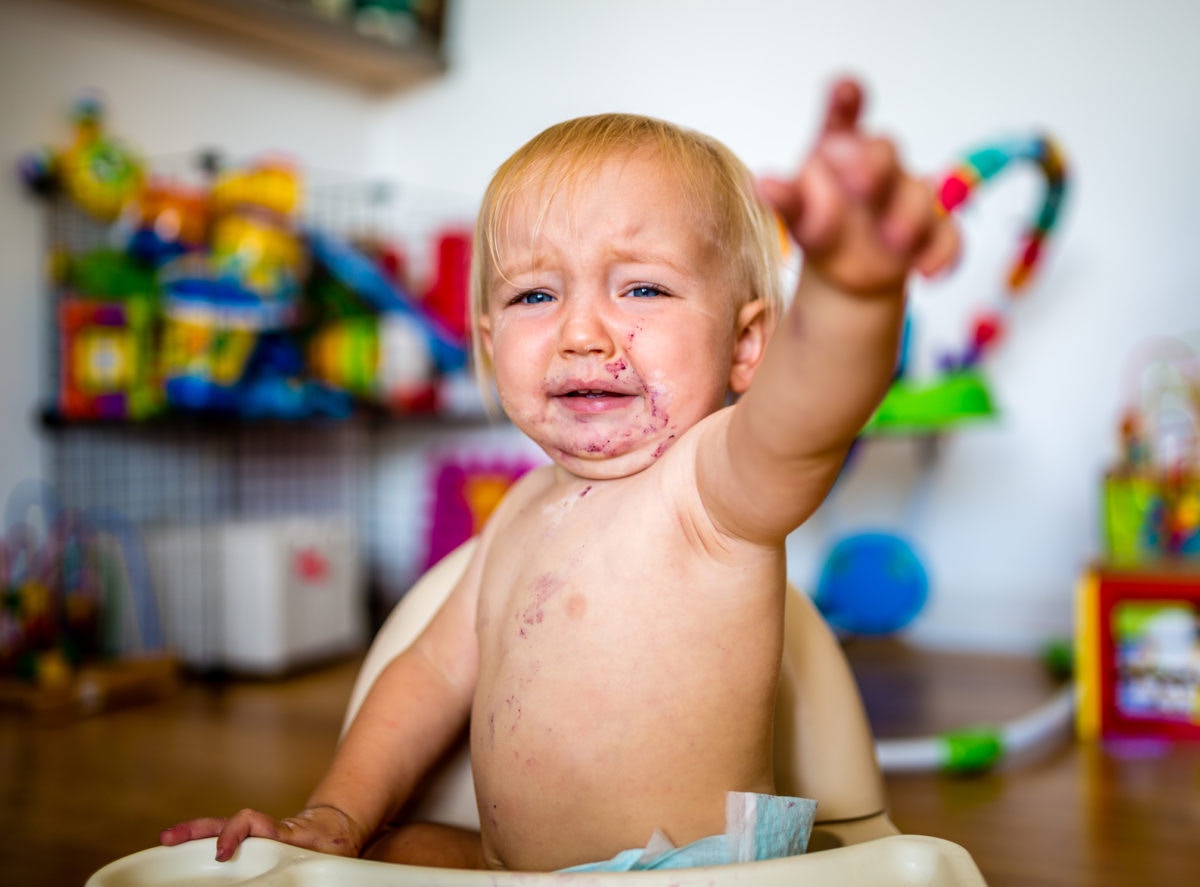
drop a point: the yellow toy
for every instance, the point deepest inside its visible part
(253, 237)
(96, 172)
(823, 750)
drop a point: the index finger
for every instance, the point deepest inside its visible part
(844, 107)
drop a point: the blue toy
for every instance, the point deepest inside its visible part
(359, 273)
(872, 584)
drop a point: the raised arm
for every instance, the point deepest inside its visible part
(863, 224)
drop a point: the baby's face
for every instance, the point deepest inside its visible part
(611, 323)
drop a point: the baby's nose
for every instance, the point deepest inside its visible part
(584, 331)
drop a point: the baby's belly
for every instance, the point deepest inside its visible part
(580, 751)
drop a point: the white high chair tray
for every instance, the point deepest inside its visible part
(897, 861)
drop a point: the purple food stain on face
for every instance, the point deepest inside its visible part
(616, 367)
(664, 446)
(658, 411)
(586, 490)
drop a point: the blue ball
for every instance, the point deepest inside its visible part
(872, 583)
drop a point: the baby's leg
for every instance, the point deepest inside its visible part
(429, 843)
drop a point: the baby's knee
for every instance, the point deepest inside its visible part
(430, 844)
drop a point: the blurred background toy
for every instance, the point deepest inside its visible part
(960, 392)
(97, 172)
(446, 297)
(872, 583)
(466, 490)
(107, 316)
(79, 625)
(373, 338)
(210, 295)
(1138, 651)
(213, 326)
(1151, 496)
(254, 238)
(167, 219)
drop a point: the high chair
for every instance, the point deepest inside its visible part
(823, 750)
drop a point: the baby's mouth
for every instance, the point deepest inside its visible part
(586, 399)
(594, 392)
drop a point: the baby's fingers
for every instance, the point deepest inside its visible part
(868, 168)
(812, 205)
(941, 250)
(192, 830)
(242, 825)
(908, 220)
(843, 107)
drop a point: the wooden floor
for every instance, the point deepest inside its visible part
(75, 797)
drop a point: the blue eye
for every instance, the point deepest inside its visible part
(645, 292)
(536, 297)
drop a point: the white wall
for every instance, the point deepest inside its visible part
(1006, 515)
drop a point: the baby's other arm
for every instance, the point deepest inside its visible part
(414, 710)
(863, 224)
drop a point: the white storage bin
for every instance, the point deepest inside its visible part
(259, 597)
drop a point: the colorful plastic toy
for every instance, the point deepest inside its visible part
(1138, 654)
(985, 164)
(359, 274)
(50, 588)
(465, 492)
(106, 364)
(382, 359)
(1151, 502)
(106, 319)
(974, 749)
(166, 220)
(212, 329)
(871, 584)
(97, 172)
(446, 298)
(253, 238)
(960, 393)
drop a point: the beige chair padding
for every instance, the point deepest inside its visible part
(823, 743)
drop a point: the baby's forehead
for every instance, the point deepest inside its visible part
(565, 183)
(645, 215)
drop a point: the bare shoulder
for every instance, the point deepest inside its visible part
(687, 476)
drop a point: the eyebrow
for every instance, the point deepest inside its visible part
(532, 263)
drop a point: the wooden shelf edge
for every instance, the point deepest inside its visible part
(52, 421)
(318, 44)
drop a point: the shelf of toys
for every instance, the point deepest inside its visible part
(1138, 610)
(225, 343)
(237, 291)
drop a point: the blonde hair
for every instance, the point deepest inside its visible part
(718, 188)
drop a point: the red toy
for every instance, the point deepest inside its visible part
(1138, 654)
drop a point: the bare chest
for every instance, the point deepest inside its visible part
(612, 656)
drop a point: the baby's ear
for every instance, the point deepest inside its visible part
(749, 345)
(483, 332)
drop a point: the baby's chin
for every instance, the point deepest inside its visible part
(606, 466)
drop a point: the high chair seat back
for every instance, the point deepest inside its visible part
(823, 743)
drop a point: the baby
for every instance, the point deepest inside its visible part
(615, 641)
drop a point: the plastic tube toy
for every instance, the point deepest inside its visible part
(979, 748)
(964, 181)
